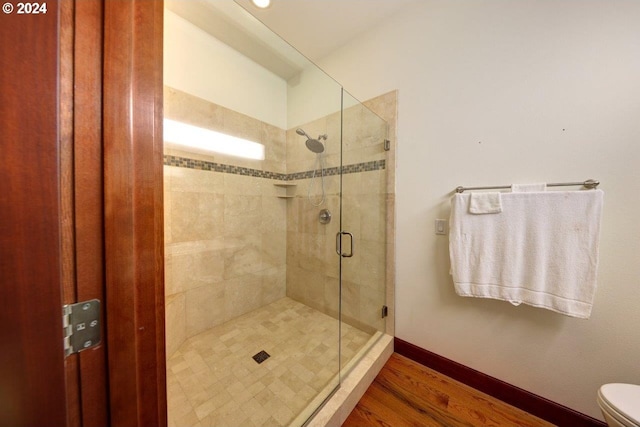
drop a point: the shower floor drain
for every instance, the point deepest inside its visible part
(261, 356)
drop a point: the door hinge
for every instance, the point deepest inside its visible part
(81, 325)
(385, 311)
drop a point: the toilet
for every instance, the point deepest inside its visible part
(620, 404)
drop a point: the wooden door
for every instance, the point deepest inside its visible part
(81, 212)
(31, 353)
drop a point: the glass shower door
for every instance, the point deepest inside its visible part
(312, 211)
(252, 281)
(363, 242)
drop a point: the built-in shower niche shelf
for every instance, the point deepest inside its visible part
(285, 190)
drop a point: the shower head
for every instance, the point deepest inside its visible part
(313, 145)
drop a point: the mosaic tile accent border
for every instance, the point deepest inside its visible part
(184, 162)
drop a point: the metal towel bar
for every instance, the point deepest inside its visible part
(590, 184)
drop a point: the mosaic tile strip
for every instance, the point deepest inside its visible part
(184, 162)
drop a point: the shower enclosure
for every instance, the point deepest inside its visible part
(276, 251)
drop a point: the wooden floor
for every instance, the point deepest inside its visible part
(406, 393)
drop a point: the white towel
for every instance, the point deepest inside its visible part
(485, 203)
(542, 250)
(528, 188)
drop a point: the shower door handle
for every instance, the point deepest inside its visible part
(339, 244)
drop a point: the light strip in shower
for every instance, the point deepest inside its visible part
(208, 140)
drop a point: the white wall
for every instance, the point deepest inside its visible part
(312, 94)
(499, 92)
(201, 65)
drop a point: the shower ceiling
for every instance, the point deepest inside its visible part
(232, 25)
(318, 27)
(315, 27)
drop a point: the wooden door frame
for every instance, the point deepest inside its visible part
(82, 212)
(134, 224)
(81, 196)
(112, 213)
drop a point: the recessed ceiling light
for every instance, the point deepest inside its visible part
(262, 4)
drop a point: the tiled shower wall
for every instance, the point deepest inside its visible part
(224, 227)
(233, 245)
(312, 264)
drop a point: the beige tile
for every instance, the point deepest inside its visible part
(302, 164)
(265, 395)
(374, 182)
(242, 126)
(295, 287)
(331, 296)
(303, 347)
(332, 184)
(293, 206)
(242, 185)
(310, 251)
(274, 249)
(370, 306)
(274, 284)
(274, 212)
(176, 322)
(352, 214)
(333, 160)
(205, 409)
(260, 416)
(242, 295)
(351, 299)
(373, 263)
(178, 404)
(185, 271)
(270, 422)
(177, 364)
(232, 416)
(242, 255)
(373, 217)
(196, 216)
(274, 140)
(240, 205)
(196, 181)
(352, 267)
(384, 105)
(282, 414)
(243, 214)
(187, 108)
(204, 308)
(190, 419)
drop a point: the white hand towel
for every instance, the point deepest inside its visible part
(542, 250)
(528, 188)
(485, 203)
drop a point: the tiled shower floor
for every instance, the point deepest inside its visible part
(212, 379)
